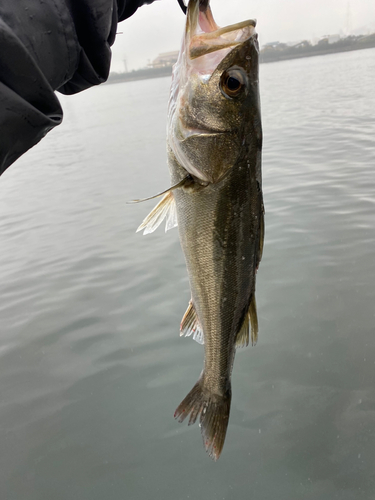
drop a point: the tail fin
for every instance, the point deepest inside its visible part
(213, 410)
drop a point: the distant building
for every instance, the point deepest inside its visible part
(333, 38)
(166, 59)
(293, 44)
(271, 44)
(303, 44)
(328, 39)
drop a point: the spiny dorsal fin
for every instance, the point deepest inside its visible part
(166, 208)
(250, 323)
(190, 325)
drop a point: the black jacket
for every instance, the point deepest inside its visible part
(48, 45)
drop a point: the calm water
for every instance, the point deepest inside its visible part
(92, 366)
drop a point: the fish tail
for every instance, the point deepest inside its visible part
(213, 411)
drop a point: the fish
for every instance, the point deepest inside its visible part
(214, 144)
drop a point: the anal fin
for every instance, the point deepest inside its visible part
(190, 325)
(250, 324)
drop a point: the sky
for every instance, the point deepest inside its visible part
(158, 27)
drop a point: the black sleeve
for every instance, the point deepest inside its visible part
(45, 46)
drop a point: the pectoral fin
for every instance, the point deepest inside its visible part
(190, 325)
(181, 183)
(250, 324)
(166, 208)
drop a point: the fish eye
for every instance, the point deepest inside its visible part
(232, 82)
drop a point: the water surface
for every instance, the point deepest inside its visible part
(91, 363)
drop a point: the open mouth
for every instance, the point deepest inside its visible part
(206, 36)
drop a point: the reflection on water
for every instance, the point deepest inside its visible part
(91, 363)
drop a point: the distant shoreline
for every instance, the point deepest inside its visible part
(282, 52)
(270, 53)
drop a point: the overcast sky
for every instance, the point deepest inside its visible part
(158, 27)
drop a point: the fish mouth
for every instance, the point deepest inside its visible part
(205, 36)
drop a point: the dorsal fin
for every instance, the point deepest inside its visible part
(253, 320)
(261, 235)
(190, 325)
(250, 323)
(242, 339)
